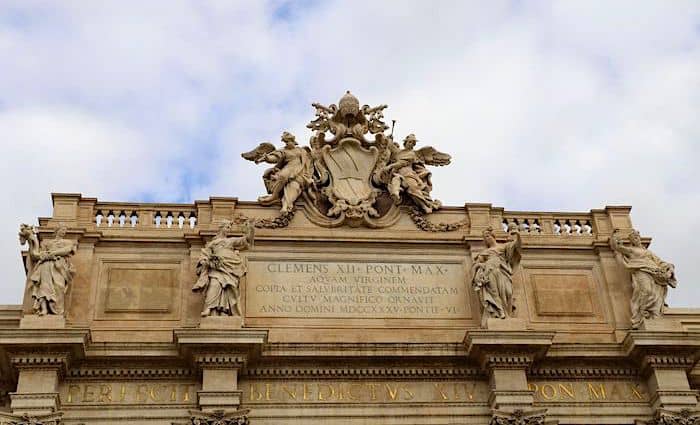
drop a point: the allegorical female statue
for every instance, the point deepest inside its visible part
(492, 274)
(49, 269)
(290, 176)
(651, 277)
(220, 269)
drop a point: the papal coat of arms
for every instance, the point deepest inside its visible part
(352, 172)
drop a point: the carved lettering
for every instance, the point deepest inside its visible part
(129, 393)
(325, 289)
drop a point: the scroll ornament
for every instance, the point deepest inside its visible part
(352, 172)
(49, 269)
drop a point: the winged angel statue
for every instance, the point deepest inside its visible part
(352, 171)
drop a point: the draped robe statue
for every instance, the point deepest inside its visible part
(651, 277)
(220, 269)
(492, 275)
(49, 269)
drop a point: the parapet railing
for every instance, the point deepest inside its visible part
(155, 216)
(557, 224)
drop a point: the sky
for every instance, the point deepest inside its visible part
(544, 106)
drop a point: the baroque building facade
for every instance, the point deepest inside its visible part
(347, 294)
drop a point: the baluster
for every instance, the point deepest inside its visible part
(98, 218)
(122, 218)
(557, 227)
(524, 226)
(193, 220)
(181, 220)
(134, 219)
(535, 227)
(157, 219)
(110, 218)
(169, 219)
(587, 228)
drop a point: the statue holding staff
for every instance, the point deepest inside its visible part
(220, 269)
(49, 269)
(492, 274)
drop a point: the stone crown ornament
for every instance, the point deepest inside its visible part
(353, 172)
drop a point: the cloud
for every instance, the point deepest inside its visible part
(544, 106)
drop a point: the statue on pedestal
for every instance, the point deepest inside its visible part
(49, 269)
(651, 277)
(492, 274)
(220, 269)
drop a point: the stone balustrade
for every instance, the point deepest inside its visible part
(550, 224)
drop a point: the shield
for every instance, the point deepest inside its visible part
(350, 166)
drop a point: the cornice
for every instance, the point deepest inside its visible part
(362, 349)
(363, 372)
(119, 373)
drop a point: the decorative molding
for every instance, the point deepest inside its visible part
(145, 372)
(507, 361)
(220, 360)
(363, 372)
(582, 372)
(518, 417)
(40, 361)
(668, 361)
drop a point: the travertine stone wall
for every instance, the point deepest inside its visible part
(343, 325)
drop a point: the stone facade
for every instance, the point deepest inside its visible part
(342, 325)
(346, 295)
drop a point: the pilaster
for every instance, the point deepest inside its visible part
(37, 384)
(506, 356)
(220, 355)
(665, 358)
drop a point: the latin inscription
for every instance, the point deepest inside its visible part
(583, 391)
(363, 392)
(128, 393)
(356, 290)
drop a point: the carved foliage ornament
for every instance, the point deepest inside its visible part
(518, 417)
(218, 417)
(352, 172)
(684, 417)
(52, 419)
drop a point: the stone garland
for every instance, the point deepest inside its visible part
(421, 221)
(278, 222)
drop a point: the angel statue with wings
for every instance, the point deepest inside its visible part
(290, 176)
(407, 173)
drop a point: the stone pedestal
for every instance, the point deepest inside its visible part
(49, 321)
(661, 325)
(510, 324)
(221, 322)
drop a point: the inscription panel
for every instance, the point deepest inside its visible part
(588, 391)
(124, 392)
(370, 290)
(364, 392)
